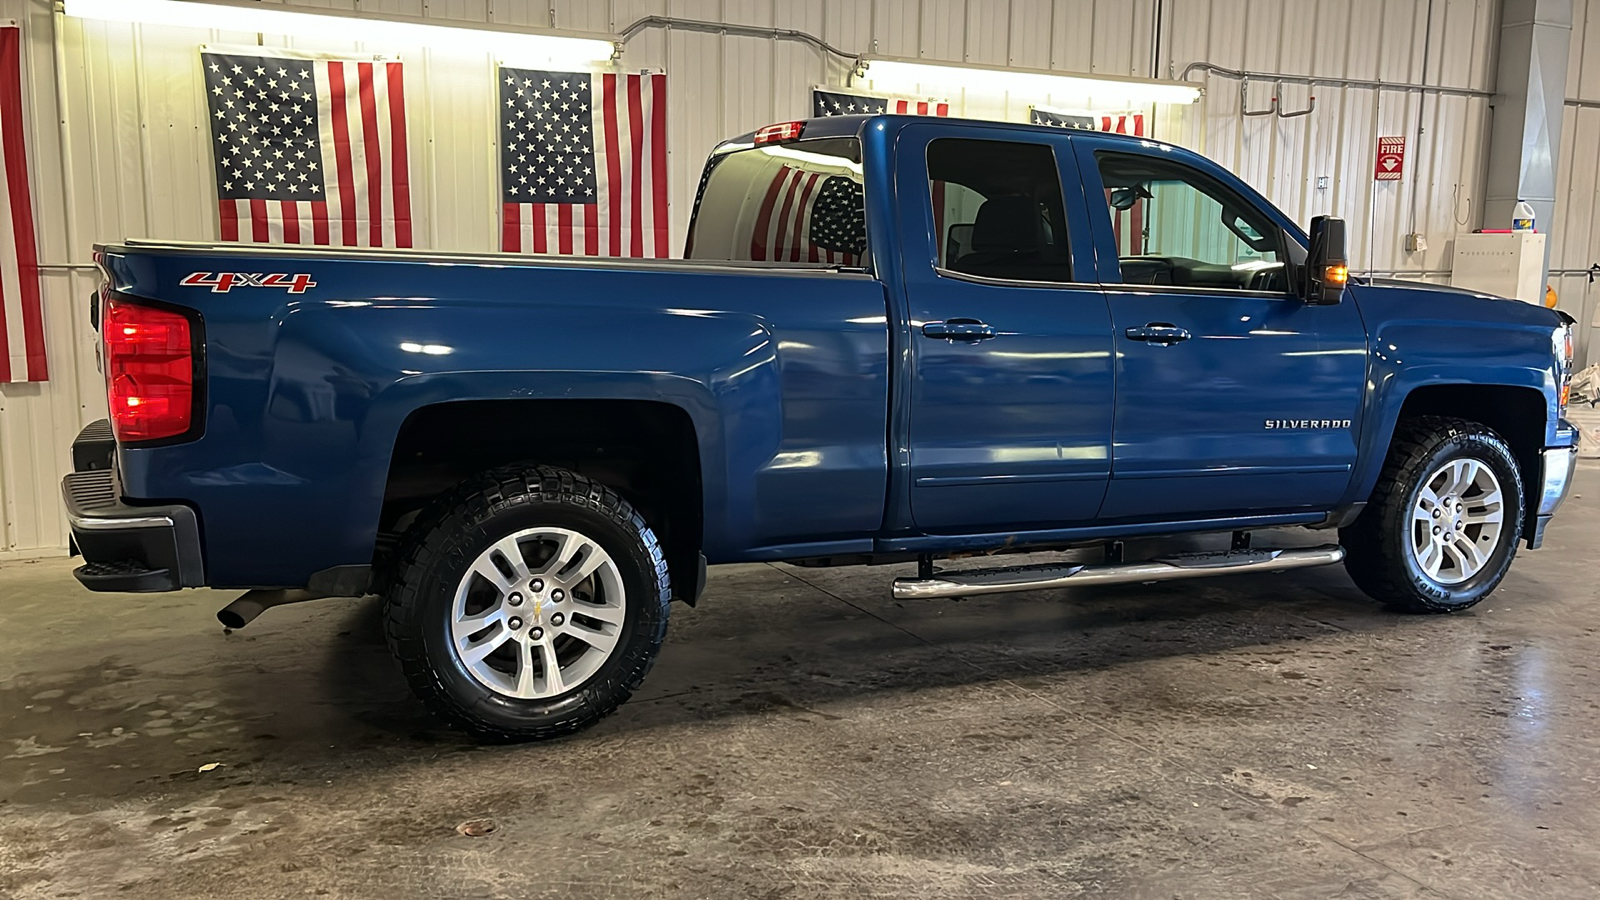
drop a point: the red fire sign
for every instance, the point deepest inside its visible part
(1391, 159)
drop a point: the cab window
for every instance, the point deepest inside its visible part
(997, 209)
(1174, 225)
(798, 203)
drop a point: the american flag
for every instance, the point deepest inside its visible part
(1127, 225)
(809, 216)
(1117, 122)
(583, 163)
(1086, 121)
(834, 103)
(309, 151)
(21, 313)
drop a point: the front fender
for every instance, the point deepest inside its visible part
(1409, 355)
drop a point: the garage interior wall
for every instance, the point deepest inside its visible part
(1575, 233)
(119, 139)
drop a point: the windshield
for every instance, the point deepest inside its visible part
(798, 203)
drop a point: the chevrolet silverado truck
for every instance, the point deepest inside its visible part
(891, 339)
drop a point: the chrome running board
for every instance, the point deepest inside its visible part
(976, 582)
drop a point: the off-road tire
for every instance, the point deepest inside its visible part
(1377, 555)
(449, 536)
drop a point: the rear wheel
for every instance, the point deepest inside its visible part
(530, 605)
(1443, 523)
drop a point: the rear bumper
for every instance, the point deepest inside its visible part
(127, 548)
(1556, 467)
(94, 448)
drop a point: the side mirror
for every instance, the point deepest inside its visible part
(1327, 267)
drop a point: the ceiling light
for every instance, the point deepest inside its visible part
(918, 77)
(508, 44)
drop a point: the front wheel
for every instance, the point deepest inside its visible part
(1443, 523)
(529, 605)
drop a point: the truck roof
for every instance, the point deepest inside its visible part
(851, 126)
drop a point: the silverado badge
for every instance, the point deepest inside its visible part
(1274, 424)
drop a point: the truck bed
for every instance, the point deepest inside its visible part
(780, 371)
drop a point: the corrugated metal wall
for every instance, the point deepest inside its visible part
(124, 153)
(1575, 234)
(38, 420)
(1442, 42)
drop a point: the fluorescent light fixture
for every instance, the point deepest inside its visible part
(509, 44)
(915, 76)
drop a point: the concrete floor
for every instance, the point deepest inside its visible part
(806, 736)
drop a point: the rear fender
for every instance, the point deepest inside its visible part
(716, 372)
(412, 393)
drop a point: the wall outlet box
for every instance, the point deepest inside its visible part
(1416, 243)
(1322, 182)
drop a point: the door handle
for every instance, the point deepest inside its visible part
(970, 330)
(1162, 333)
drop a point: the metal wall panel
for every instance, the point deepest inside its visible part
(1363, 39)
(125, 152)
(37, 421)
(1575, 233)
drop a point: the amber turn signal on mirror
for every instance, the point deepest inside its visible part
(1327, 269)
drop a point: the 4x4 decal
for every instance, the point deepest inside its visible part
(223, 282)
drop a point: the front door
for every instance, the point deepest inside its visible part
(1233, 396)
(1010, 408)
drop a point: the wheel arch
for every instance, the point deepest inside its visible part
(1383, 546)
(647, 450)
(1515, 412)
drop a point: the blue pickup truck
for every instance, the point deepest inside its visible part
(892, 339)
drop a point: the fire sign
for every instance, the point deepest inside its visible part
(1391, 159)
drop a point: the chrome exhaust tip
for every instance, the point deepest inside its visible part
(244, 610)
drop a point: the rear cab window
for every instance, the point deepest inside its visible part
(997, 210)
(800, 203)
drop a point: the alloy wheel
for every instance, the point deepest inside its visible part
(538, 613)
(1457, 520)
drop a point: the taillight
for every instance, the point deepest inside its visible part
(149, 371)
(783, 131)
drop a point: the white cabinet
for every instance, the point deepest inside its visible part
(1507, 265)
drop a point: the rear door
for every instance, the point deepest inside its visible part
(1233, 396)
(1011, 395)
